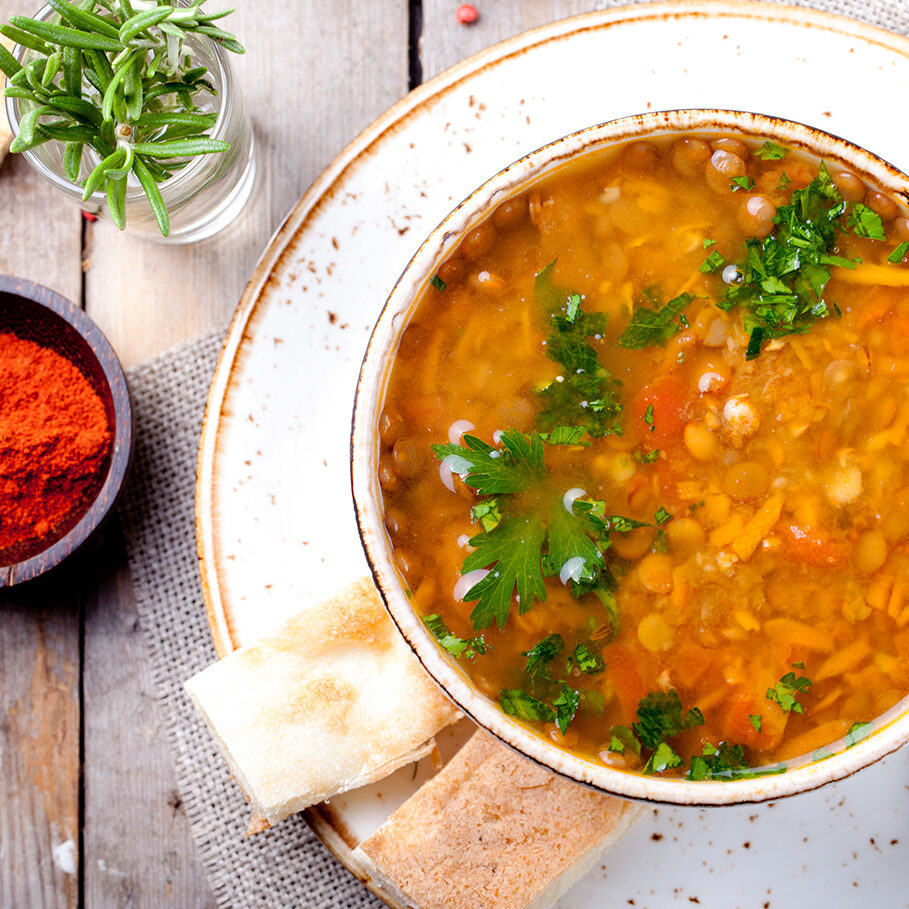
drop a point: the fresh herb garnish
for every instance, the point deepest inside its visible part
(457, 647)
(649, 327)
(660, 717)
(785, 274)
(520, 704)
(568, 435)
(512, 468)
(438, 283)
(120, 84)
(487, 513)
(786, 690)
(756, 720)
(857, 732)
(586, 393)
(586, 661)
(783, 182)
(899, 253)
(663, 758)
(864, 222)
(648, 417)
(662, 516)
(713, 263)
(647, 457)
(708, 243)
(622, 739)
(745, 183)
(566, 706)
(718, 762)
(770, 151)
(541, 653)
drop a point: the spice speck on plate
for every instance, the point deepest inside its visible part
(55, 441)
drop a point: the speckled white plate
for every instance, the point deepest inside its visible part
(275, 522)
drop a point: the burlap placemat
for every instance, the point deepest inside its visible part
(288, 867)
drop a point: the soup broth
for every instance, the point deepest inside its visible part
(644, 457)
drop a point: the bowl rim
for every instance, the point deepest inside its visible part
(121, 447)
(892, 727)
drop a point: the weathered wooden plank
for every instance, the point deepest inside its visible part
(137, 847)
(39, 624)
(314, 74)
(445, 41)
(39, 744)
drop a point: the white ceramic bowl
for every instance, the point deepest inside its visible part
(892, 730)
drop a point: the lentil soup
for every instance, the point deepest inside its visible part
(643, 457)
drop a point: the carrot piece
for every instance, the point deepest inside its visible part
(809, 742)
(805, 547)
(669, 397)
(691, 663)
(738, 727)
(843, 660)
(626, 680)
(798, 634)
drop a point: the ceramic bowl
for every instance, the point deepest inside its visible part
(892, 730)
(39, 314)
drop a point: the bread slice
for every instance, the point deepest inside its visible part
(330, 700)
(492, 830)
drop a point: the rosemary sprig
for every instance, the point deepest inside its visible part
(117, 80)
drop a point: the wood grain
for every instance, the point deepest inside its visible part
(445, 41)
(39, 744)
(314, 74)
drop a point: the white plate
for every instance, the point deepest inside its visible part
(275, 521)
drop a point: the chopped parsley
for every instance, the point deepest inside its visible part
(785, 274)
(654, 327)
(586, 393)
(784, 181)
(586, 661)
(487, 513)
(663, 758)
(541, 653)
(568, 435)
(520, 704)
(756, 720)
(745, 183)
(566, 706)
(647, 457)
(648, 417)
(713, 263)
(770, 151)
(864, 222)
(786, 691)
(662, 516)
(899, 253)
(857, 732)
(457, 647)
(726, 762)
(708, 243)
(437, 283)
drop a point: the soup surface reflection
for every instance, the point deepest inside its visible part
(644, 457)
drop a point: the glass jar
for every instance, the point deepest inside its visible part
(201, 198)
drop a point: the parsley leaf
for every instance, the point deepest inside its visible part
(899, 253)
(437, 283)
(649, 327)
(541, 653)
(520, 704)
(857, 732)
(786, 273)
(713, 263)
(489, 470)
(512, 553)
(785, 691)
(587, 662)
(622, 739)
(647, 457)
(745, 183)
(566, 706)
(648, 417)
(708, 243)
(864, 222)
(486, 511)
(625, 525)
(662, 516)
(756, 720)
(586, 394)
(770, 151)
(663, 758)
(568, 435)
(457, 647)
(660, 717)
(718, 762)
(784, 181)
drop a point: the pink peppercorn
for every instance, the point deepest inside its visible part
(467, 14)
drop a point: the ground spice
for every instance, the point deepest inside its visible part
(55, 437)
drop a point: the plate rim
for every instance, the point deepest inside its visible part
(320, 817)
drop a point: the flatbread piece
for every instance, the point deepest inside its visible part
(331, 700)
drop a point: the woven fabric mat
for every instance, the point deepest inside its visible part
(287, 866)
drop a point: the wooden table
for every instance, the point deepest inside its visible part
(89, 811)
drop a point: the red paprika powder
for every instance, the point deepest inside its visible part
(55, 438)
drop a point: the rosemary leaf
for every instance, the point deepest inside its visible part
(64, 36)
(116, 201)
(8, 63)
(113, 161)
(84, 18)
(155, 199)
(72, 71)
(142, 21)
(79, 108)
(72, 160)
(180, 148)
(24, 38)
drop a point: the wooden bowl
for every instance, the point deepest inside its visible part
(38, 314)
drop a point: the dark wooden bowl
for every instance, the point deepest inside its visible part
(39, 314)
